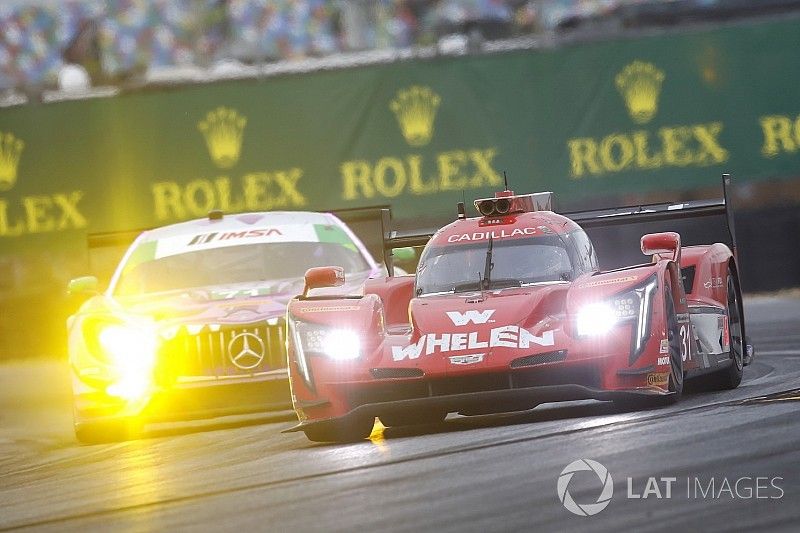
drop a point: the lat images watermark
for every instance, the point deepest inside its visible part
(663, 487)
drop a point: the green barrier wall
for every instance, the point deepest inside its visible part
(656, 113)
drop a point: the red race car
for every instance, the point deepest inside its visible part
(509, 310)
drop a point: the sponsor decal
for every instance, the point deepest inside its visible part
(726, 335)
(179, 244)
(223, 128)
(639, 84)
(612, 281)
(229, 294)
(223, 132)
(246, 350)
(494, 234)
(471, 316)
(470, 359)
(664, 348)
(713, 283)
(658, 378)
(419, 174)
(33, 214)
(327, 309)
(781, 135)
(415, 109)
(683, 318)
(11, 149)
(510, 336)
(663, 361)
(42, 214)
(222, 236)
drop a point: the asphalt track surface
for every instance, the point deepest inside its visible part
(489, 473)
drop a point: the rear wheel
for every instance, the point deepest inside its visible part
(675, 348)
(352, 430)
(731, 377)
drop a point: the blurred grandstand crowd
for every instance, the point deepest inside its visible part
(118, 40)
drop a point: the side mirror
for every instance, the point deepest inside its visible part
(662, 243)
(318, 277)
(406, 253)
(83, 285)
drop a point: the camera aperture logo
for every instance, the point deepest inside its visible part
(585, 509)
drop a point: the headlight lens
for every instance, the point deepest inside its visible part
(129, 351)
(342, 345)
(335, 343)
(596, 319)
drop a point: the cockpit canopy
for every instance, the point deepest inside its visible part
(517, 262)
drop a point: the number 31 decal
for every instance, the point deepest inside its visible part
(685, 352)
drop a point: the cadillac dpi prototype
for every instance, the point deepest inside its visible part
(192, 324)
(509, 310)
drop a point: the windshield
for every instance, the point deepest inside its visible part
(514, 262)
(236, 264)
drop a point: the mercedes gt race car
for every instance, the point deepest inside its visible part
(509, 310)
(192, 324)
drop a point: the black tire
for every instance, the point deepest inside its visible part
(731, 377)
(675, 353)
(106, 431)
(412, 418)
(340, 431)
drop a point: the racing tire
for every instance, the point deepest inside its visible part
(676, 376)
(731, 377)
(340, 431)
(106, 431)
(413, 418)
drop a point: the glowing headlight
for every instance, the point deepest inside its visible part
(338, 344)
(596, 319)
(342, 345)
(132, 354)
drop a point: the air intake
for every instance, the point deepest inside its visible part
(539, 359)
(389, 373)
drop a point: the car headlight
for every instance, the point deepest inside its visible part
(308, 340)
(596, 319)
(335, 343)
(599, 318)
(129, 351)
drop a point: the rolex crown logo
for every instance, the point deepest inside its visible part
(415, 108)
(10, 152)
(640, 85)
(223, 128)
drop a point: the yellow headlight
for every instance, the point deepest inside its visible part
(132, 354)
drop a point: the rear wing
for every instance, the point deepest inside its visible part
(400, 239)
(695, 209)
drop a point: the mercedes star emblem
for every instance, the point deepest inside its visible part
(246, 350)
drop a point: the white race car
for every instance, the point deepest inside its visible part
(192, 324)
